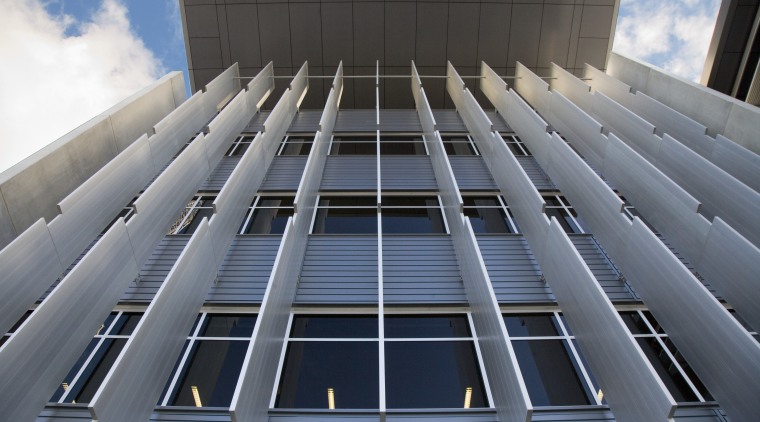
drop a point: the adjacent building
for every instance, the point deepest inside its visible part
(349, 228)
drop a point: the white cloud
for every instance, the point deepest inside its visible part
(673, 35)
(53, 81)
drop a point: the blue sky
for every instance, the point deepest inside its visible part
(57, 53)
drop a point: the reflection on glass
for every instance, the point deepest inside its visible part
(269, 221)
(487, 220)
(228, 325)
(524, 325)
(393, 147)
(668, 373)
(407, 221)
(213, 369)
(297, 145)
(354, 145)
(69, 379)
(551, 376)
(350, 369)
(432, 374)
(92, 376)
(430, 326)
(326, 326)
(458, 145)
(346, 221)
(125, 324)
(635, 322)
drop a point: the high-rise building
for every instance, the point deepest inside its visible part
(470, 243)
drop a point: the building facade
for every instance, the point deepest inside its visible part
(557, 246)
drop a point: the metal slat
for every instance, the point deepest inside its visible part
(407, 173)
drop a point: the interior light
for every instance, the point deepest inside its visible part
(600, 395)
(467, 397)
(331, 398)
(196, 396)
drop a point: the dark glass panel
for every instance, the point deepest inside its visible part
(635, 323)
(480, 201)
(238, 149)
(21, 321)
(656, 325)
(269, 221)
(348, 201)
(228, 325)
(410, 326)
(93, 375)
(594, 383)
(389, 138)
(432, 374)
(354, 148)
(174, 371)
(298, 145)
(533, 325)
(665, 368)
(687, 370)
(371, 139)
(551, 375)
(196, 218)
(64, 385)
(488, 220)
(564, 322)
(346, 221)
(551, 201)
(334, 326)
(402, 148)
(409, 201)
(213, 369)
(126, 324)
(3, 339)
(106, 324)
(406, 221)
(275, 201)
(350, 369)
(564, 220)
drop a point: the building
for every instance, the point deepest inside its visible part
(556, 246)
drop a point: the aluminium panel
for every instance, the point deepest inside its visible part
(606, 84)
(531, 128)
(630, 384)
(30, 265)
(732, 264)
(513, 270)
(710, 339)
(493, 87)
(221, 88)
(588, 139)
(284, 173)
(531, 87)
(221, 173)
(225, 127)
(472, 173)
(133, 385)
(721, 194)
(42, 351)
(350, 173)
(738, 161)
(571, 87)
(627, 125)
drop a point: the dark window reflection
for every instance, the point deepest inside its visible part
(668, 372)
(96, 371)
(524, 325)
(458, 145)
(228, 325)
(354, 145)
(213, 372)
(125, 324)
(350, 369)
(391, 147)
(635, 323)
(433, 374)
(551, 376)
(488, 220)
(407, 221)
(269, 221)
(67, 381)
(297, 145)
(346, 221)
(410, 326)
(326, 326)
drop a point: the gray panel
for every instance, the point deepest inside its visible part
(356, 120)
(432, 22)
(368, 33)
(556, 25)
(721, 194)
(601, 267)
(42, 351)
(337, 43)
(350, 173)
(494, 28)
(630, 384)
(221, 173)
(606, 84)
(737, 161)
(244, 45)
(135, 381)
(407, 173)
(245, 271)
(462, 40)
(732, 265)
(524, 34)
(535, 173)
(400, 34)
(305, 121)
(513, 270)
(274, 30)
(284, 173)
(421, 269)
(472, 173)
(306, 33)
(339, 269)
(571, 87)
(702, 329)
(627, 125)
(30, 264)
(399, 121)
(448, 121)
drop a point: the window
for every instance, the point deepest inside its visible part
(489, 214)
(13, 329)
(200, 206)
(209, 367)
(550, 361)
(333, 362)
(402, 145)
(515, 144)
(84, 379)
(296, 144)
(353, 145)
(667, 361)
(412, 215)
(346, 215)
(240, 145)
(268, 215)
(557, 206)
(459, 145)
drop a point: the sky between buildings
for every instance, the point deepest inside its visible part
(65, 61)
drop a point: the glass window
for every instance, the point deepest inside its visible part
(240, 145)
(353, 145)
(15, 326)
(674, 371)
(209, 367)
(191, 217)
(458, 145)
(296, 144)
(489, 214)
(559, 207)
(89, 371)
(402, 145)
(431, 326)
(338, 326)
(268, 215)
(550, 361)
(515, 144)
(346, 215)
(412, 214)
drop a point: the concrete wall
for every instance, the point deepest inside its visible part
(722, 114)
(31, 189)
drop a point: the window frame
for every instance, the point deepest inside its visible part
(286, 138)
(511, 223)
(565, 208)
(251, 210)
(515, 144)
(460, 134)
(190, 212)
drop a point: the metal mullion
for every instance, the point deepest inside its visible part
(75, 380)
(479, 355)
(569, 339)
(678, 366)
(280, 364)
(505, 208)
(380, 298)
(191, 339)
(282, 145)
